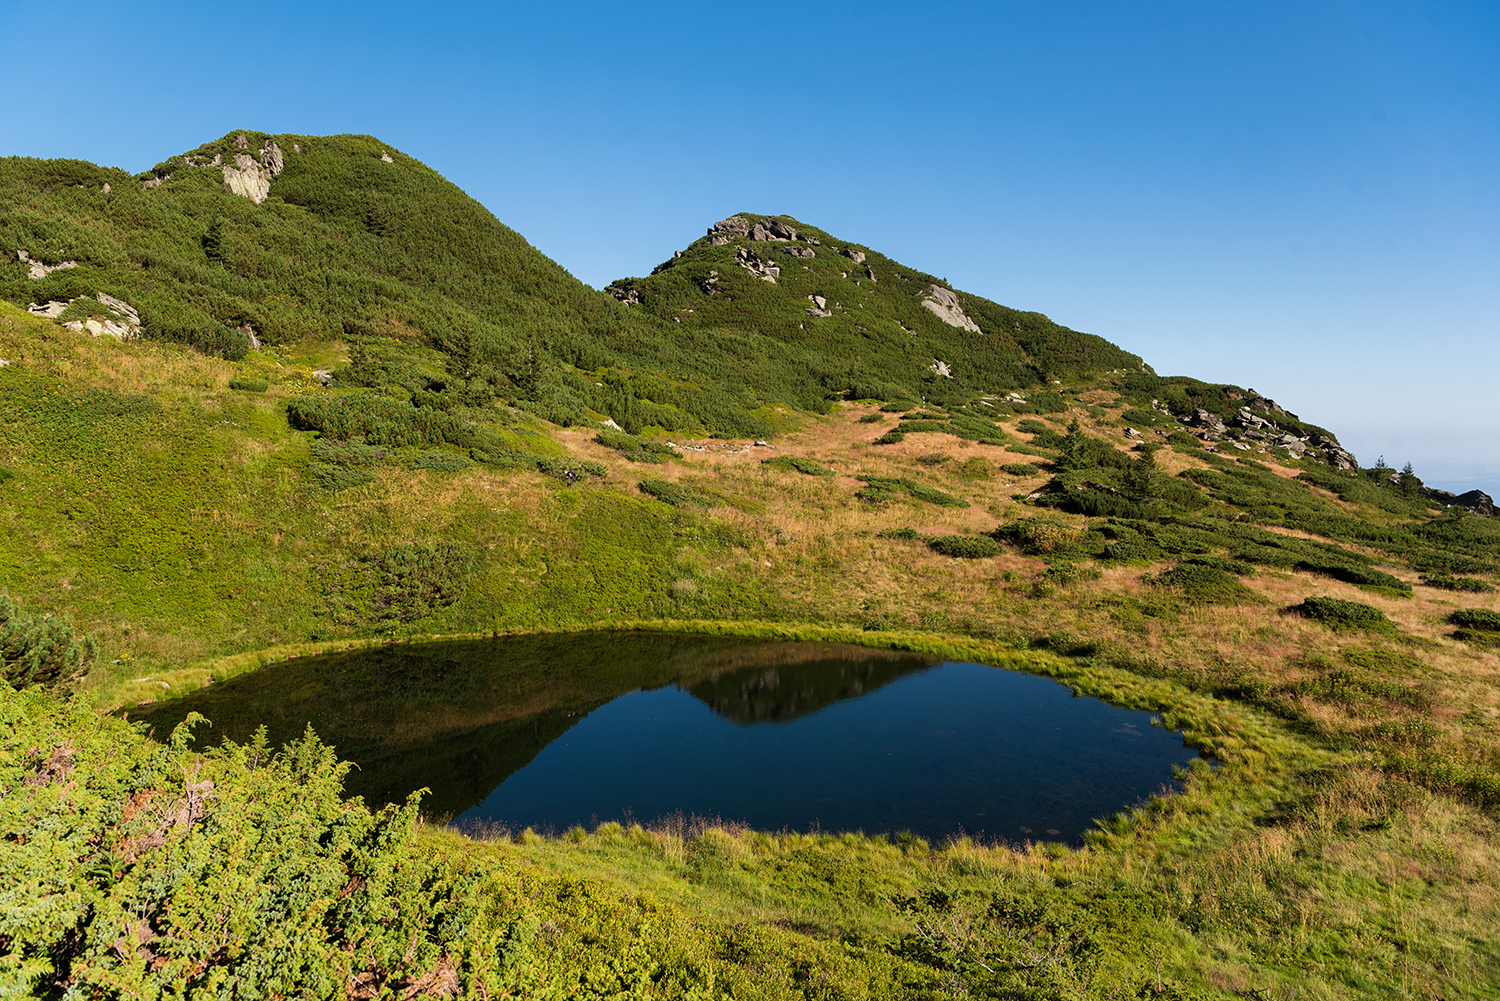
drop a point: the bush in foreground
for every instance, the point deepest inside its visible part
(41, 649)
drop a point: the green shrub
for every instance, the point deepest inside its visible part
(413, 580)
(796, 463)
(1476, 618)
(336, 478)
(935, 458)
(41, 649)
(675, 495)
(890, 438)
(1181, 441)
(633, 448)
(883, 488)
(1020, 469)
(250, 385)
(378, 420)
(347, 453)
(1360, 576)
(876, 494)
(1040, 536)
(1030, 426)
(899, 533)
(442, 462)
(1449, 583)
(1206, 585)
(208, 338)
(875, 418)
(897, 407)
(966, 547)
(1339, 614)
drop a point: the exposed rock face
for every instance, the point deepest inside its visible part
(1475, 500)
(387, 158)
(801, 252)
(1291, 443)
(241, 141)
(710, 285)
(39, 270)
(764, 270)
(1340, 459)
(773, 230)
(124, 323)
(247, 179)
(940, 368)
(727, 230)
(250, 179)
(870, 273)
(945, 306)
(857, 256)
(1207, 421)
(249, 332)
(1247, 418)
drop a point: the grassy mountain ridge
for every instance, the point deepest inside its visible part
(415, 450)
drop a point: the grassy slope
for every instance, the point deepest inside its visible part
(1347, 847)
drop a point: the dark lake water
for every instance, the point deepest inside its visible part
(552, 731)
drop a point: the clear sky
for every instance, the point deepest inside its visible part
(1299, 197)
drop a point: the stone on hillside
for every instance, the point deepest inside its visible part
(728, 230)
(628, 294)
(270, 158)
(1206, 420)
(1477, 501)
(944, 304)
(247, 179)
(386, 157)
(870, 273)
(773, 230)
(940, 368)
(857, 256)
(801, 251)
(106, 187)
(241, 141)
(764, 270)
(51, 311)
(36, 269)
(1247, 418)
(1340, 459)
(249, 332)
(819, 306)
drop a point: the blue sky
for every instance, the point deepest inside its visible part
(1298, 197)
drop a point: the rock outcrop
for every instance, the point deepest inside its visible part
(945, 306)
(1475, 500)
(857, 256)
(804, 252)
(773, 230)
(120, 319)
(39, 270)
(765, 270)
(819, 306)
(941, 368)
(728, 230)
(249, 178)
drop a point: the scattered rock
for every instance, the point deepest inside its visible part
(1291, 443)
(52, 310)
(801, 251)
(945, 306)
(710, 285)
(1247, 418)
(1132, 433)
(628, 294)
(387, 158)
(940, 368)
(1241, 446)
(106, 187)
(819, 307)
(609, 422)
(322, 375)
(1207, 421)
(155, 182)
(773, 230)
(870, 273)
(764, 270)
(123, 322)
(857, 256)
(727, 230)
(1340, 459)
(40, 270)
(3, 362)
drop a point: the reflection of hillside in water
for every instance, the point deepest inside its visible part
(782, 682)
(460, 718)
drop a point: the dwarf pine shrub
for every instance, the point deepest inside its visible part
(796, 463)
(41, 649)
(1336, 613)
(965, 547)
(1476, 618)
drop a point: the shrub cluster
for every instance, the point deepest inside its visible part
(1339, 614)
(797, 463)
(678, 496)
(633, 448)
(966, 547)
(41, 649)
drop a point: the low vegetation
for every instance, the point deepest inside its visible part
(417, 449)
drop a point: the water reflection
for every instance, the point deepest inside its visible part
(554, 730)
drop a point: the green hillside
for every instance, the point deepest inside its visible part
(414, 452)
